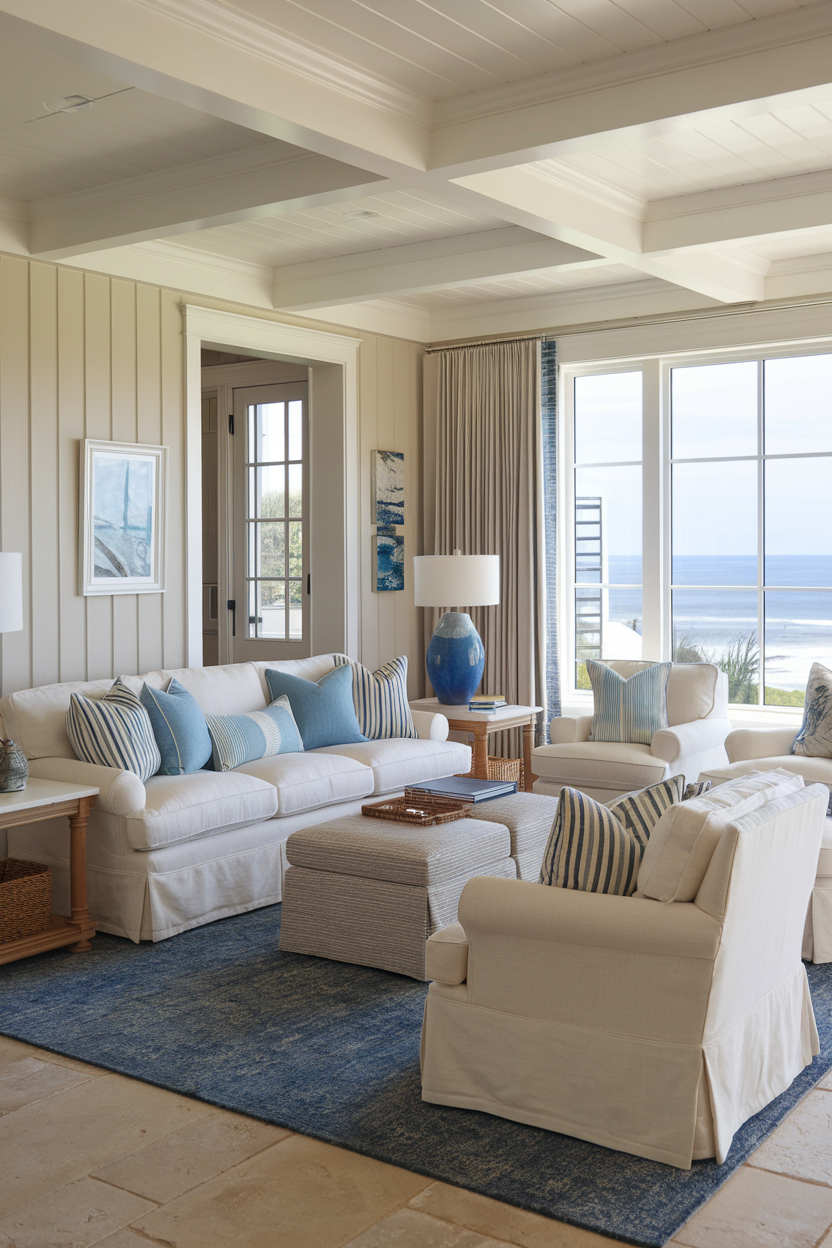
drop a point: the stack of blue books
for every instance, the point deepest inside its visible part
(465, 788)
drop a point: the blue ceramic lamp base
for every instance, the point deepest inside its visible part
(455, 659)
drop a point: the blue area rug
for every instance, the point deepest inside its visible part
(332, 1051)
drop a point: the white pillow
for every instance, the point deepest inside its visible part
(682, 843)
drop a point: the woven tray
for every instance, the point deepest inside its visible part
(25, 898)
(422, 810)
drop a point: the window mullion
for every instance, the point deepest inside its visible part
(653, 495)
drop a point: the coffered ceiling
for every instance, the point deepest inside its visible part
(435, 169)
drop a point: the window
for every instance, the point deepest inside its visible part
(732, 477)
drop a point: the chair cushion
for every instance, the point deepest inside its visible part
(179, 728)
(640, 812)
(380, 698)
(182, 808)
(323, 709)
(815, 737)
(306, 781)
(682, 844)
(589, 848)
(396, 763)
(628, 709)
(113, 731)
(611, 765)
(238, 739)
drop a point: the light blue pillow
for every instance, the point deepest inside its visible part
(179, 728)
(628, 710)
(239, 739)
(323, 709)
(380, 698)
(113, 731)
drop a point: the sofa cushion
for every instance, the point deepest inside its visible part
(628, 709)
(323, 709)
(611, 765)
(396, 763)
(181, 808)
(231, 689)
(306, 781)
(179, 728)
(113, 731)
(811, 769)
(238, 739)
(682, 844)
(380, 698)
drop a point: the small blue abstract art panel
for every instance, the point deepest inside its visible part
(388, 487)
(388, 549)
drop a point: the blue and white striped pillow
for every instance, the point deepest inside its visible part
(629, 709)
(380, 698)
(641, 811)
(238, 739)
(589, 848)
(113, 731)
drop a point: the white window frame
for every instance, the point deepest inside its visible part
(656, 500)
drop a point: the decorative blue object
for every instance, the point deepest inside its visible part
(387, 487)
(324, 711)
(388, 548)
(179, 728)
(455, 659)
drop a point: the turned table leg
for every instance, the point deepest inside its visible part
(480, 767)
(78, 871)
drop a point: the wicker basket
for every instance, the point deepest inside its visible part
(25, 898)
(503, 769)
(421, 810)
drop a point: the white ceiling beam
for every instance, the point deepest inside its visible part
(260, 181)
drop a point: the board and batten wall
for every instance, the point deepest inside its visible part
(84, 355)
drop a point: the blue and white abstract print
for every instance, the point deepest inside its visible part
(388, 488)
(389, 551)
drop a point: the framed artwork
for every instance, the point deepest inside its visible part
(122, 518)
(387, 489)
(388, 560)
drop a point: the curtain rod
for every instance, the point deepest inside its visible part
(486, 342)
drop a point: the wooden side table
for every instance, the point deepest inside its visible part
(44, 799)
(481, 724)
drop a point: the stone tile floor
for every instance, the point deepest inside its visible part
(88, 1157)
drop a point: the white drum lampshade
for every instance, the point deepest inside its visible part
(456, 580)
(11, 592)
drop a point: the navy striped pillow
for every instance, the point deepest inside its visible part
(380, 698)
(589, 848)
(113, 731)
(640, 812)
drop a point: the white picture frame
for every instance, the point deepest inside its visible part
(122, 518)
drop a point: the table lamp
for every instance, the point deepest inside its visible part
(455, 656)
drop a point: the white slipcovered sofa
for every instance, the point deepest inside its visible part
(179, 851)
(765, 749)
(697, 716)
(656, 1027)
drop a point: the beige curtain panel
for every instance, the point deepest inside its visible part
(483, 495)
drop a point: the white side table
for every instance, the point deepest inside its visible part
(481, 724)
(44, 799)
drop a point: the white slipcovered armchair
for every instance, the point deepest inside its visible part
(764, 749)
(650, 1027)
(697, 714)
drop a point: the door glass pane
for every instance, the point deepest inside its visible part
(271, 489)
(798, 526)
(271, 560)
(798, 633)
(720, 626)
(295, 609)
(295, 548)
(714, 410)
(798, 404)
(608, 523)
(608, 418)
(295, 430)
(270, 440)
(295, 490)
(272, 601)
(715, 523)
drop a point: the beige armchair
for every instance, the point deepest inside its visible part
(652, 1027)
(764, 749)
(697, 713)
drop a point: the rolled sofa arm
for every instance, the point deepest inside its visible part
(693, 738)
(119, 792)
(747, 743)
(446, 955)
(430, 725)
(568, 728)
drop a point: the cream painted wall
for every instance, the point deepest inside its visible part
(84, 355)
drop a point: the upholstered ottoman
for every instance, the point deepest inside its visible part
(371, 891)
(529, 818)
